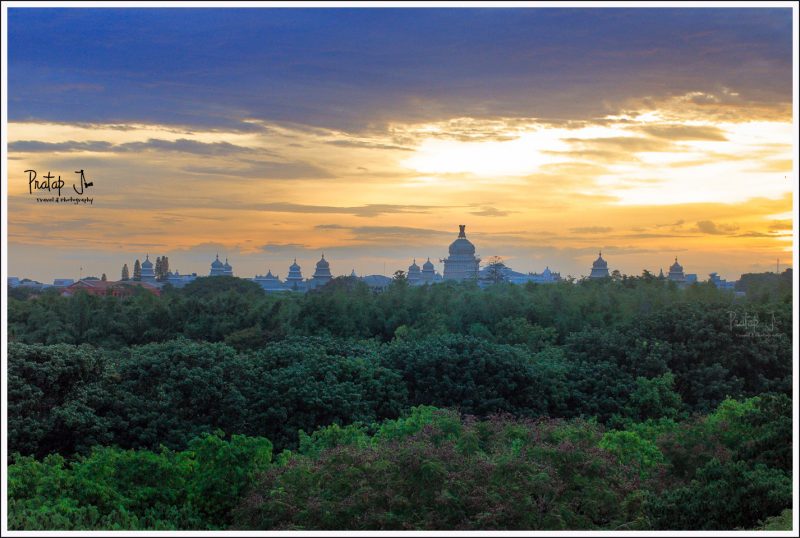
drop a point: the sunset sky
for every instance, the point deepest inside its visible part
(371, 134)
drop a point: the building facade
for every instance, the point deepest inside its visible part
(322, 273)
(676, 272)
(599, 267)
(148, 274)
(462, 263)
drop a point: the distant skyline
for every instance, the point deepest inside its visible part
(370, 134)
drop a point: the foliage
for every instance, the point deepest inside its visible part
(498, 473)
(623, 403)
(114, 489)
(722, 496)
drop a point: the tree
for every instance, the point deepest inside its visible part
(157, 270)
(103, 277)
(399, 276)
(164, 267)
(125, 274)
(495, 270)
(137, 270)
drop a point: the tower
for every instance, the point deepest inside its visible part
(217, 268)
(414, 274)
(322, 273)
(462, 263)
(599, 267)
(148, 275)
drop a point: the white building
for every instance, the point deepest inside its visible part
(462, 263)
(676, 272)
(721, 283)
(322, 273)
(414, 274)
(178, 280)
(599, 267)
(148, 274)
(269, 282)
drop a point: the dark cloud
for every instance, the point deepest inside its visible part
(369, 210)
(283, 247)
(33, 146)
(590, 230)
(711, 228)
(355, 68)
(262, 170)
(655, 235)
(754, 234)
(181, 145)
(373, 233)
(615, 144)
(184, 145)
(491, 212)
(781, 225)
(684, 132)
(366, 145)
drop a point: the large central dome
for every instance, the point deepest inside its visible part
(462, 246)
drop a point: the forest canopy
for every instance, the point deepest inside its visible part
(622, 404)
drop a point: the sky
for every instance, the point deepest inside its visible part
(267, 134)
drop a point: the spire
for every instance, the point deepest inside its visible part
(461, 230)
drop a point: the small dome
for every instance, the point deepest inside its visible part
(546, 271)
(294, 266)
(427, 266)
(600, 262)
(676, 267)
(323, 262)
(353, 273)
(227, 265)
(269, 274)
(413, 267)
(216, 263)
(147, 263)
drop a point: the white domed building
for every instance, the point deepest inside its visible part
(294, 280)
(148, 274)
(414, 274)
(217, 268)
(322, 273)
(462, 263)
(676, 272)
(428, 272)
(269, 282)
(599, 267)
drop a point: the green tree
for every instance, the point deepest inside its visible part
(495, 270)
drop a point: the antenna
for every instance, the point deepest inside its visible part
(777, 266)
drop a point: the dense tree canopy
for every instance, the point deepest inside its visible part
(625, 403)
